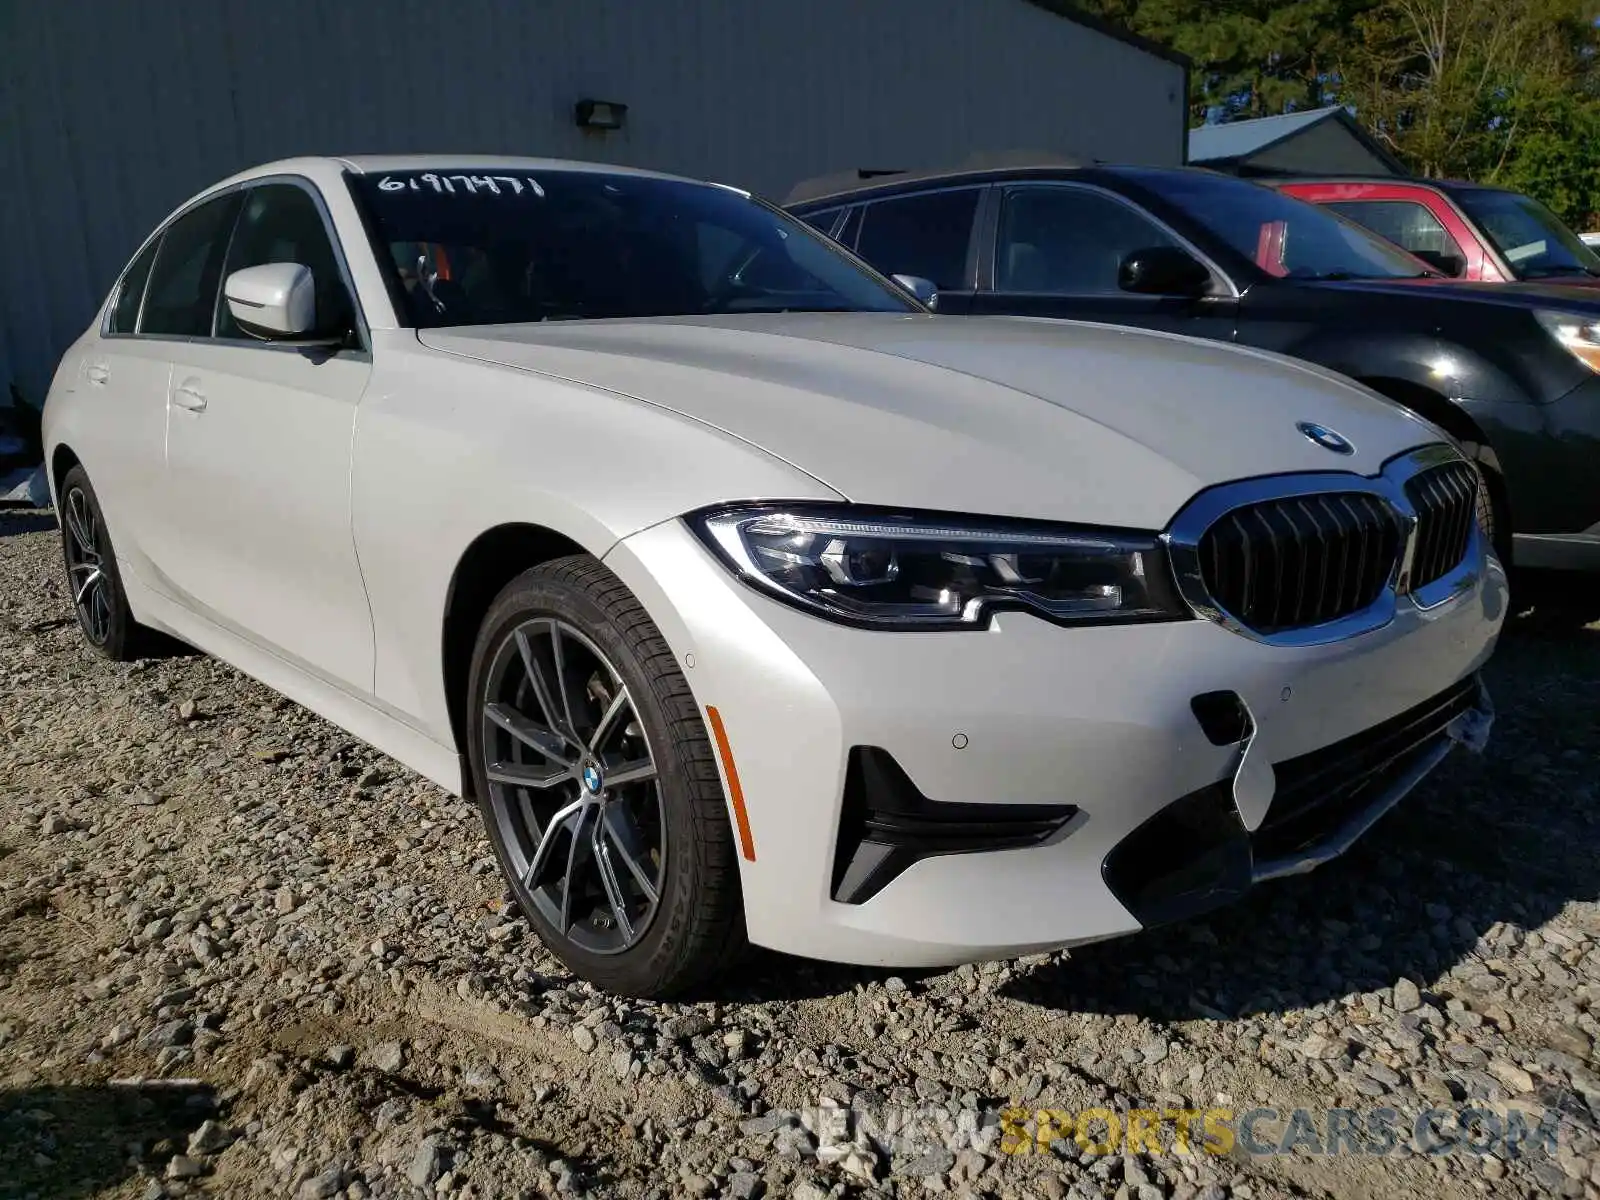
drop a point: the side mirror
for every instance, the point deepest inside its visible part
(273, 301)
(1446, 264)
(923, 289)
(1164, 271)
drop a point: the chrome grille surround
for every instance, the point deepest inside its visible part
(1185, 535)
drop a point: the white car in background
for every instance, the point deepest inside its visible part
(748, 598)
(1591, 239)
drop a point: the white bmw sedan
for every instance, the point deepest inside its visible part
(749, 599)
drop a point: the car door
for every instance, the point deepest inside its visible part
(1057, 252)
(258, 457)
(124, 379)
(928, 234)
(1413, 217)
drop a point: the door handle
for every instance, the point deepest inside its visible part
(188, 395)
(97, 373)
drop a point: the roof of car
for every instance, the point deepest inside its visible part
(804, 195)
(1443, 185)
(1467, 185)
(841, 187)
(368, 164)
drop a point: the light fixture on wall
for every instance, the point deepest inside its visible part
(601, 115)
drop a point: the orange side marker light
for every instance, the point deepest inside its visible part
(747, 846)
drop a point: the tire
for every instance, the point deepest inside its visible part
(651, 816)
(1492, 518)
(94, 582)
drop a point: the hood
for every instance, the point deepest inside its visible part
(1000, 416)
(1573, 293)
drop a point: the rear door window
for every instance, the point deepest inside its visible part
(182, 294)
(927, 235)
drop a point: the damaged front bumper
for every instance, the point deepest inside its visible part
(920, 799)
(1270, 820)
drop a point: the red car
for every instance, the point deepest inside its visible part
(1466, 230)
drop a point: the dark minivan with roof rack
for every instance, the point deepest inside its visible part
(1511, 371)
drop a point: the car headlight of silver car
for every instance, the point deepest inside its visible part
(889, 570)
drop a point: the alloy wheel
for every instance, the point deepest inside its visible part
(86, 566)
(573, 786)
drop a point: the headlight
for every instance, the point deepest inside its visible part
(892, 571)
(1580, 334)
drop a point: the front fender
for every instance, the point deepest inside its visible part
(446, 448)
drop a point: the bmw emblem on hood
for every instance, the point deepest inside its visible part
(1326, 438)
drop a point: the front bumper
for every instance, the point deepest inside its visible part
(1100, 722)
(1196, 854)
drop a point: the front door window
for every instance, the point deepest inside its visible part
(1068, 241)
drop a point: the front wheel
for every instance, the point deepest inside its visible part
(598, 784)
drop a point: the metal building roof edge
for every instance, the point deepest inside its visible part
(1281, 127)
(1068, 11)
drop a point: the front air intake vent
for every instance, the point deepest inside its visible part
(887, 824)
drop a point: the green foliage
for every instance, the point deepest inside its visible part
(1252, 58)
(1557, 155)
(1502, 91)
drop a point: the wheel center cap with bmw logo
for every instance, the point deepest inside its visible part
(592, 778)
(1326, 438)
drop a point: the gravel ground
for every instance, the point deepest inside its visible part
(243, 954)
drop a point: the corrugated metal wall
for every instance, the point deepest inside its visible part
(114, 111)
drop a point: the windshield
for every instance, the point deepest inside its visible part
(1283, 236)
(535, 245)
(1528, 235)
